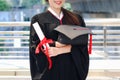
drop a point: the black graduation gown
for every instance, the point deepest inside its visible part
(71, 66)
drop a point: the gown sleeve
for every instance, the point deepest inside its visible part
(80, 56)
(37, 62)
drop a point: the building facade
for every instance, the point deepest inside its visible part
(97, 8)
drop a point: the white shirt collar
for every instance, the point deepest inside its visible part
(56, 15)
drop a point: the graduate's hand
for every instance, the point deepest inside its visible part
(58, 44)
(54, 51)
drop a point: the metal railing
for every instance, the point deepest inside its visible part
(14, 40)
(109, 33)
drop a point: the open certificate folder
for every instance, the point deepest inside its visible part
(43, 43)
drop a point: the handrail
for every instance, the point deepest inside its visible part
(14, 24)
(89, 22)
(106, 22)
(14, 32)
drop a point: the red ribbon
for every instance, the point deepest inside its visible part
(90, 45)
(45, 51)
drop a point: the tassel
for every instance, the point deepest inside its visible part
(90, 45)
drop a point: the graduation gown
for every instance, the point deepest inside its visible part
(71, 66)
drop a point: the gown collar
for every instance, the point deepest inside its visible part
(55, 14)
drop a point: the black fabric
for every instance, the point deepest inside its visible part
(71, 66)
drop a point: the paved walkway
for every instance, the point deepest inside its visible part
(14, 64)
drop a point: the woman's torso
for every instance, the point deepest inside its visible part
(63, 66)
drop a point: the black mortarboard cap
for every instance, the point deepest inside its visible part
(72, 34)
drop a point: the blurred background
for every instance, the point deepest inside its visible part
(102, 16)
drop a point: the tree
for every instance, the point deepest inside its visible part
(30, 3)
(4, 5)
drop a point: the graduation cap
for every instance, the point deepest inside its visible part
(75, 35)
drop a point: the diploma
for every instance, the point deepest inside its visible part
(43, 42)
(39, 33)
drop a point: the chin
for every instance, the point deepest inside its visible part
(58, 7)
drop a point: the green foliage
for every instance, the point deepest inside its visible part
(30, 3)
(43, 1)
(67, 6)
(4, 5)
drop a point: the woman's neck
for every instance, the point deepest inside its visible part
(57, 10)
(57, 15)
